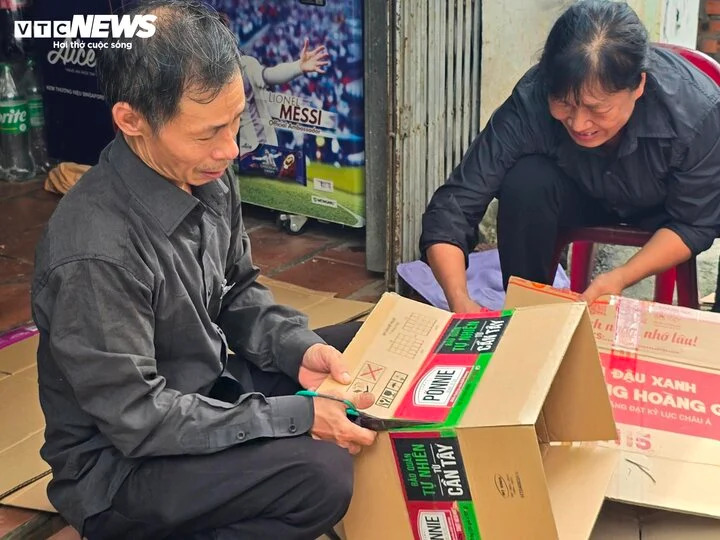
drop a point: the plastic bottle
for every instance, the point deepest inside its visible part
(36, 115)
(16, 164)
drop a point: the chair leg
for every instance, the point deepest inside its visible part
(583, 254)
(665, 286)
(688, 295)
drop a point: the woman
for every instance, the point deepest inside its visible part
(606, 129)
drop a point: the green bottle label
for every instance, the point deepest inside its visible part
(37, 115)
(13, 117)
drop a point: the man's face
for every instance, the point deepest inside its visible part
(598, 117)
(199, 143)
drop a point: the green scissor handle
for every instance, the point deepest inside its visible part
(351, 410)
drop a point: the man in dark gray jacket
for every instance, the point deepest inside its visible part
(144, 281)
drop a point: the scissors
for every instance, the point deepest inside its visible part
(363, 419)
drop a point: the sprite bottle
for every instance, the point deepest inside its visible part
(36, 118)
(16, 165)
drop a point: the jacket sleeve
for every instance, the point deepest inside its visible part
(693, 199)
(101, 336)
(456, 208)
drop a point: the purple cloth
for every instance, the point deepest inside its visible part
(483, 275)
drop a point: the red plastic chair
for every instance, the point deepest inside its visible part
(583, 239)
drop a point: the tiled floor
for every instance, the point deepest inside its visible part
(326, 257)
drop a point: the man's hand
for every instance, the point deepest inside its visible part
(612, 282)
(318, 362)
(466, 305)
(332, 424)
(315, 60)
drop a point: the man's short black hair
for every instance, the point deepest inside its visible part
(594, 43)
(191, 51)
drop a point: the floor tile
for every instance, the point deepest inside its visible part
(273, 248)
(326, 275)
(14, 305)
(21, 245)
(11, 517)
(66, 533)
(347, 253)
(370, 292)
(13, 189)
(26, 211)
(43, 195)
(14, 270)
(20, 215)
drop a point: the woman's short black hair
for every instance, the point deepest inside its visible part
(595, 43)
(191, 51)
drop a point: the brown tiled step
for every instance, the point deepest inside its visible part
(20, 524)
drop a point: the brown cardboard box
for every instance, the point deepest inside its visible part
(624, 522)
(662, 368)
(23, 474)
(21, 420)
(508, 393)
(322, 308)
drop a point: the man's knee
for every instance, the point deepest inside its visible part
(331, 468)
(530, 182)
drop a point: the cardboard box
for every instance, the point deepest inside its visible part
(623, 522)
(322, 308)
(507, 392)
(662, 368)
(21, 419)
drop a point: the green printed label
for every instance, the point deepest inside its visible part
(473, 335)
(13, 117)
(435, 486)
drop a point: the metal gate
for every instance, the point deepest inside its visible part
(433, 108)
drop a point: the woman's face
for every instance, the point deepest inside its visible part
(598, 116)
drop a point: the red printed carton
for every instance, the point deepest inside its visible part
(662, 368)
(502, 397)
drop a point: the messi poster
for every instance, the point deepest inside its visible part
(301, 135)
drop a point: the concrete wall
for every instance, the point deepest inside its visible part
(514, 31)
(513, 34)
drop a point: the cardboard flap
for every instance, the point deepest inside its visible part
(19, 393)
(577, 478)
(653, 481)
(32, 496)
(519, 377)
(504, 468)
(21, 435)
(577, 407)
(377, 486)
(321, 308)
(19, 356)
(626, 325)
(392, 344)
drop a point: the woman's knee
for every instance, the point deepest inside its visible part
(532, 179)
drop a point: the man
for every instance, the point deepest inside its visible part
(606, 129)
(144, 282)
